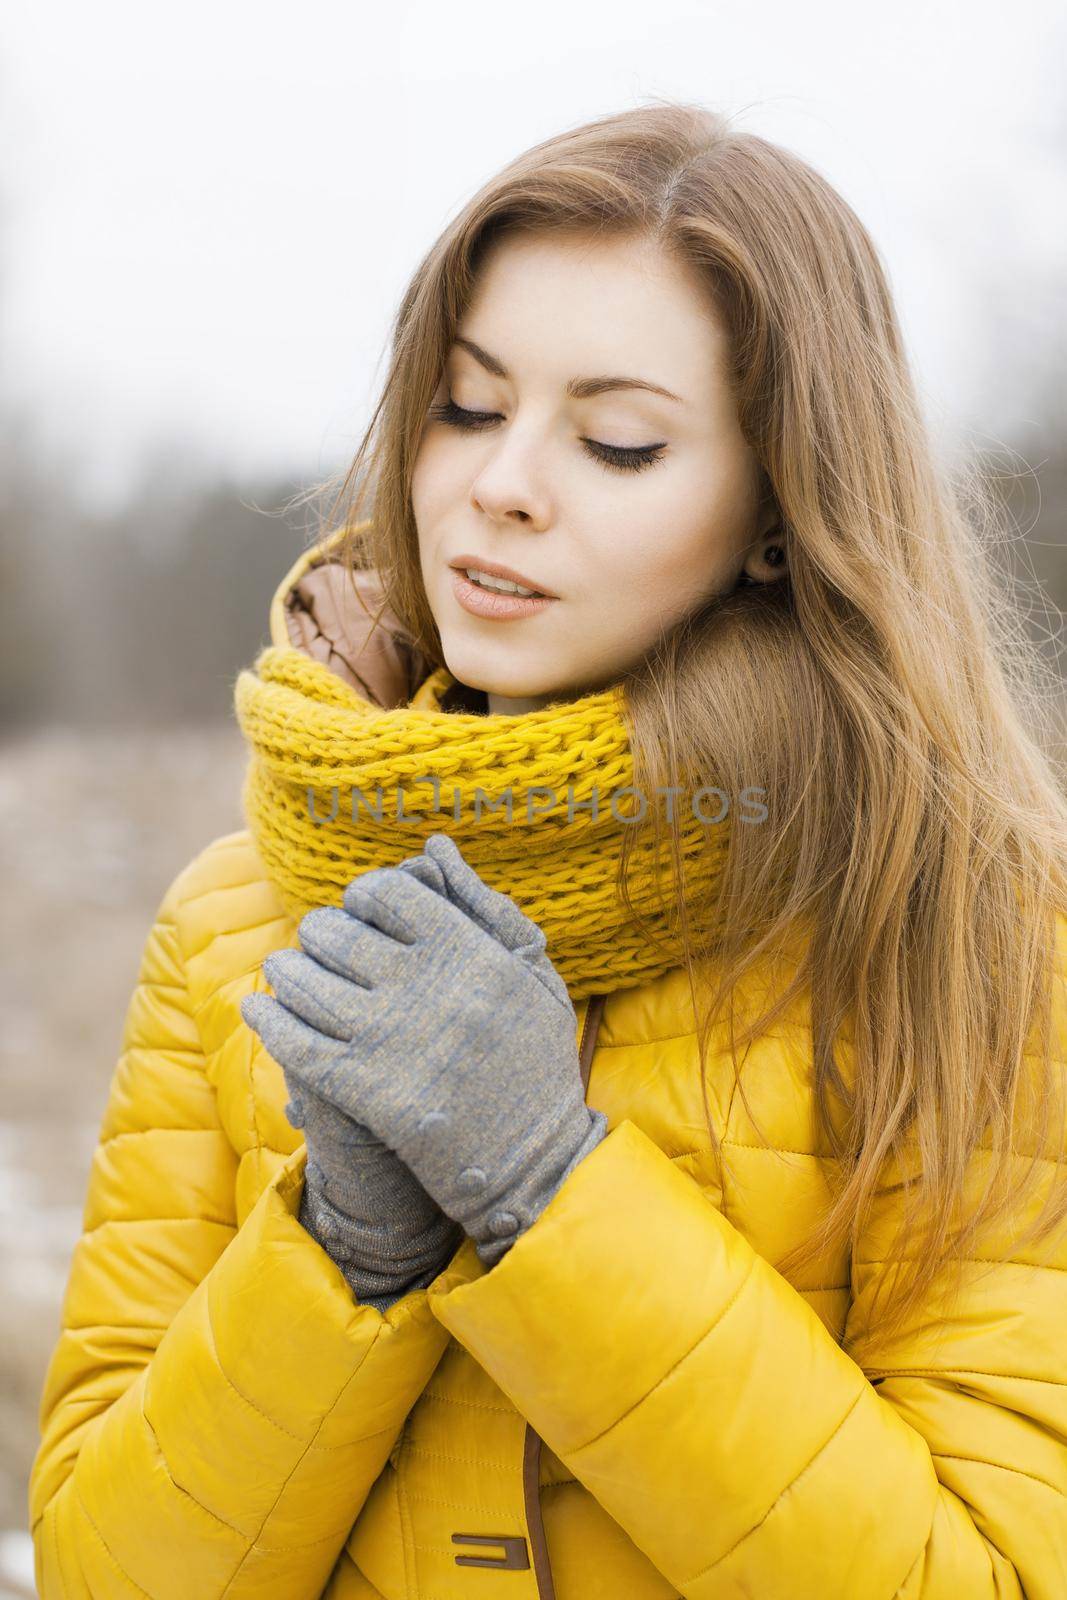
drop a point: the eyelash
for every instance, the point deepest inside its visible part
(612, 456)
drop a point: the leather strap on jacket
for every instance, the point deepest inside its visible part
(531, 1459)
(591, 1027)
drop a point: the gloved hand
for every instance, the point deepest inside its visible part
(434, 1016)
(360, 1202)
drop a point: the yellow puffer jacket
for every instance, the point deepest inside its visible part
(633, 1404)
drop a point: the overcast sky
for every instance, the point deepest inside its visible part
(209, 213)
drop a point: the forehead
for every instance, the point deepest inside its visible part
(553, 307)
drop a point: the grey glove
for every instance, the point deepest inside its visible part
(434, 1016)
(361, 1203)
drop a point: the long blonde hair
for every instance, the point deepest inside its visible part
(885, 692)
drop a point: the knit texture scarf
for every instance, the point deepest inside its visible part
(336, 785)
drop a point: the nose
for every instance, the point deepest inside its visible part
(508, 488)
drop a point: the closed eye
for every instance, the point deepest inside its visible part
(615, 456)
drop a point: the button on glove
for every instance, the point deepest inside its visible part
(434, 1016)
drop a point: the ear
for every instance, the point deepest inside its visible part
(769, 538)
(766, 562)
(769, 519)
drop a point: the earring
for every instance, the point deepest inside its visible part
(773, 555)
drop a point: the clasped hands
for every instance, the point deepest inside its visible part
(427, 1009)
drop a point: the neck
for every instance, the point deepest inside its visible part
(501, 705)
(513, 706)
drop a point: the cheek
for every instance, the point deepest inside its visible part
(671, 561)
(421, 481)
(689, 545)
(657, 574)
(431, 477)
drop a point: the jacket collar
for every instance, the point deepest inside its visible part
(329, 613)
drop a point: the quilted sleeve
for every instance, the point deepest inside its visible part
(218, 1405)
(700, 1399)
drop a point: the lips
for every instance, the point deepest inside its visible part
(493, 606)
(496, 570)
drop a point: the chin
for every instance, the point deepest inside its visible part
(468, 663)
(510, 688)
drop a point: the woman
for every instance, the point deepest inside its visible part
(403, 1275)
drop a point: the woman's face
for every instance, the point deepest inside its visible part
(629, 539)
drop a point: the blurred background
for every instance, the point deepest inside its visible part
(207, 217)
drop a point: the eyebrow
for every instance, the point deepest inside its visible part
(577, 388)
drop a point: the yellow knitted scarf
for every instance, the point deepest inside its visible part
(321, 754)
